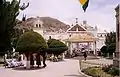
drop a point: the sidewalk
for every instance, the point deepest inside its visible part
(66, 68)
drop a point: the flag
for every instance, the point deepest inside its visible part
(84, 4)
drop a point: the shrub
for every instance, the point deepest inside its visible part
(96, 72)
(106, 68)
(111, 70)
(111, 48)
(104, 50)
(114, 71)
(53, 43)
(56, 47)
(31, 42)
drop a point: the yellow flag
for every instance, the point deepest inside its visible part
(83, 1)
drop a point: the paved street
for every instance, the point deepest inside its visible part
(67, 68)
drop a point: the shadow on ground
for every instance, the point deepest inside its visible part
(73, 75)
(24, 68)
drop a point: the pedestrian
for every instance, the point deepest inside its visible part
(31, 61)
(38, 60)
(85, 55)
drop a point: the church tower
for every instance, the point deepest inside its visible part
(38, 26)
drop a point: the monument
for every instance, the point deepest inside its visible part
(116, 59)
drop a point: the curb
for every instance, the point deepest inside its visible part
(84, 74)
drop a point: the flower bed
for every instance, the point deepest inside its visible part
(96, 72)
(111, 70)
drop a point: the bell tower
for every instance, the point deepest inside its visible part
(38, 26)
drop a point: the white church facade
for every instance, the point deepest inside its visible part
(75, 31)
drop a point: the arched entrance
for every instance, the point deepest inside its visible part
(81, 38)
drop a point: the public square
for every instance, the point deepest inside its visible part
(59, 38)
(66, 68)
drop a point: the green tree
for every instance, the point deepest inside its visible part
(56, 47)
(104, 50)
(8, 13)
(110, 42)
(111, 48)
(110, 38)
(31, 42)
(16, 36)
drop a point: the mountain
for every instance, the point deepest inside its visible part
(49, 24)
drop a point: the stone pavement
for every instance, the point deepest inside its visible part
(66, 68)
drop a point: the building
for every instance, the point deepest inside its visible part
(101, 35)
(82, 29)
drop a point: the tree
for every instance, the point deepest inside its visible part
(56, 47)
(110, 38)
(16, 36)
(111, 48)
(8, 13)
(31, 42)
(104, 50)
(110, 42)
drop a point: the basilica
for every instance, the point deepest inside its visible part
(77, 37)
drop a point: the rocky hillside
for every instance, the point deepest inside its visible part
(49, 24)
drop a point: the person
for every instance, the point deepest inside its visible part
(31, 61)
(85, 55)
(38, 60)
(19, 58)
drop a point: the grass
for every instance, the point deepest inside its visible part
(96, 72)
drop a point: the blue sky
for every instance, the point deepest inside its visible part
(99, 13)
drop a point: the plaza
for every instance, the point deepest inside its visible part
(65, 68)
(59, 38)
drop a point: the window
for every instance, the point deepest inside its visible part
(36, 25)
(49, 37)
(39, 25)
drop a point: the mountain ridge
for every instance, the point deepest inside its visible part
(49, 24)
